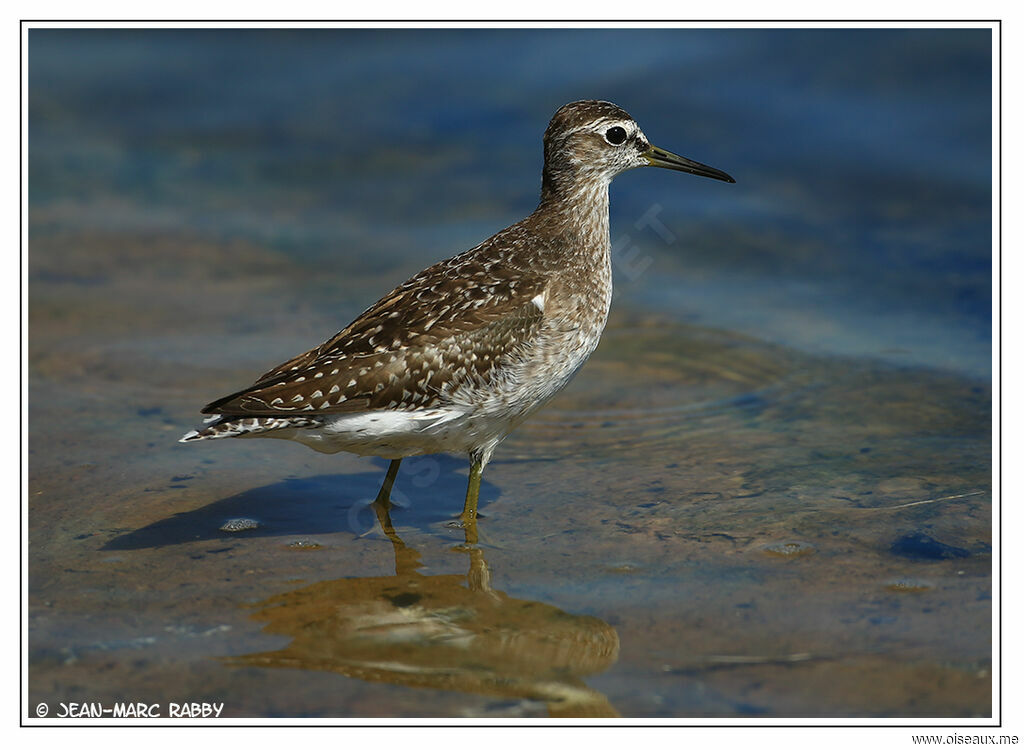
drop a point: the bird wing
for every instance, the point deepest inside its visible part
(447, 327)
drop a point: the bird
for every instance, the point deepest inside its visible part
(454, 359)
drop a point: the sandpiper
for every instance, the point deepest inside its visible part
(456, 357)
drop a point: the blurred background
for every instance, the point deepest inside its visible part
(802, 358)
(860, 222)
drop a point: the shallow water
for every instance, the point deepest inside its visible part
(767, 494)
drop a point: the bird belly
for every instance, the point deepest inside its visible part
(389, 433)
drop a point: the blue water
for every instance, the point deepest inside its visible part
(860, 222)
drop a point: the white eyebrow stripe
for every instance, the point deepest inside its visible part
(627, 125)
(596, 126)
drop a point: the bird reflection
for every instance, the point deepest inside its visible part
(444, 632)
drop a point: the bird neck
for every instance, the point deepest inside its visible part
(575, 224)
(577, 211)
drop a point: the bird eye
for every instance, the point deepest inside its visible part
(616, 135)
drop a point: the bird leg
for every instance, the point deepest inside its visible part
(476, 472)
(469, 514)
(407, 560)
(384, 496)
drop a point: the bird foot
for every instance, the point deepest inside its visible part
(462, 522)
(468, 525)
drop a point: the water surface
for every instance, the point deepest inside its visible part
(766, 495)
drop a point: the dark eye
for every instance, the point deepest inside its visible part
(616, 135)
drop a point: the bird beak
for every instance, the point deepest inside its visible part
(659, 157)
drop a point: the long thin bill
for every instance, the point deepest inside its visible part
(659, 157)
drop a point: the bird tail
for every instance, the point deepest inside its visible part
(224, 426)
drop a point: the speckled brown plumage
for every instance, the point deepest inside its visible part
(456, 357)
(446, 327)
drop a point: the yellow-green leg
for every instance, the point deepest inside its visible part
(469, 513)
(407, 560)
(384, 496)
(476, 472)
